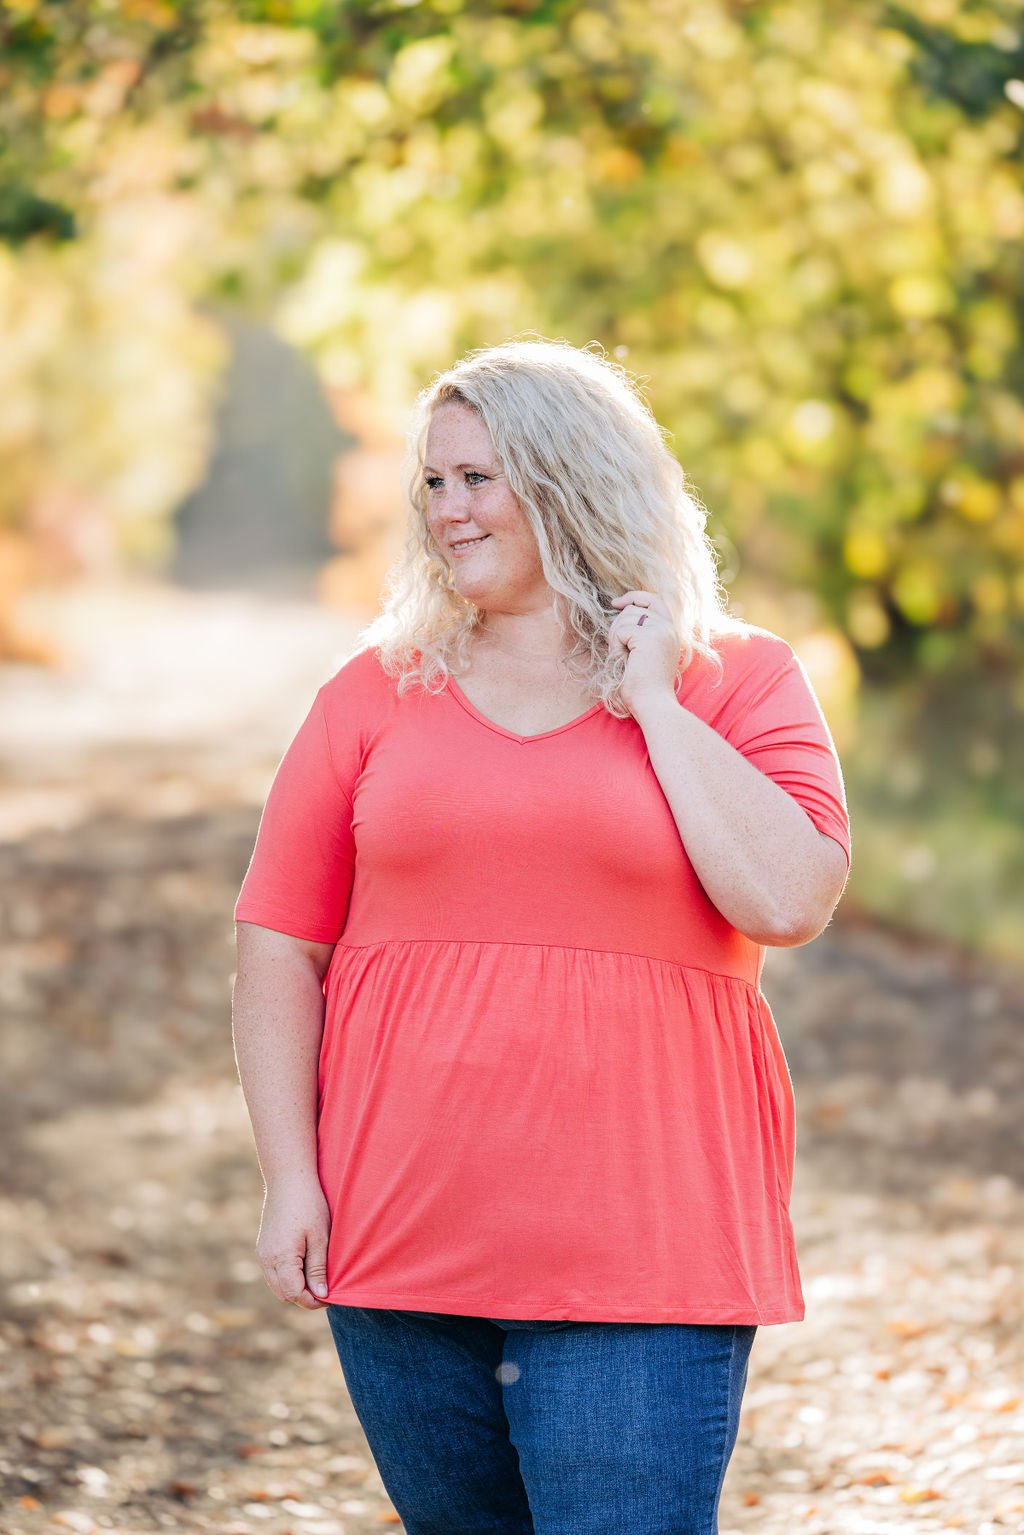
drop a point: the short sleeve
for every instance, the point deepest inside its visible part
(779, 727)
(300, 876)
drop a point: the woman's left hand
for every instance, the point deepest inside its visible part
(645, 632)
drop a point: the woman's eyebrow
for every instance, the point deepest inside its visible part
(491, 469)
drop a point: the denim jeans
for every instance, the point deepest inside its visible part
(481, 1424)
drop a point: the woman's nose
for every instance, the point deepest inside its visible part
(451, 504)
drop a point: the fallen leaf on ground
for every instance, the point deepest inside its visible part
(905, 1328)
(54, 1437)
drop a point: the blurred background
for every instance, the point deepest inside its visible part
(235, 241)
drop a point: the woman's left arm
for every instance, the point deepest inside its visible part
(762, 861)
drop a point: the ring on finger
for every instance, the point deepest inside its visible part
(641, 620)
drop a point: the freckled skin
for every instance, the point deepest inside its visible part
(468, 496)
(515, 674)
(760, 858)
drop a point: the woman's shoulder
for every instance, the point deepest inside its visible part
(751, 660)
(361, 680)
(742, 647)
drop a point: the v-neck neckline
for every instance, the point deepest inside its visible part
(513, 735)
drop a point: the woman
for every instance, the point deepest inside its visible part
(522, 1112)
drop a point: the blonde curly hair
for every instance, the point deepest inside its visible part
(609, 504)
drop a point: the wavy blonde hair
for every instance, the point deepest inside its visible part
(609, 504)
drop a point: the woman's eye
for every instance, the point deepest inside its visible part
(473, 477)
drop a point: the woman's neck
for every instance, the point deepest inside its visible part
(533, 635)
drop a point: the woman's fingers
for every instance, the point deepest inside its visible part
(286, 1278)
(645, 632)
(303, 1282)
(316, 1264)
(633, 615)
(292, 1246)
(641, 599)
(636, 609)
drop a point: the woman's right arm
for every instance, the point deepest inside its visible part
(277, 1023)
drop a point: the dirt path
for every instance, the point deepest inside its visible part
(148, 1381)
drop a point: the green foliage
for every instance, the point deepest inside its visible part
(23, 216)
(799, 222)
(967, 62)
(938, 812)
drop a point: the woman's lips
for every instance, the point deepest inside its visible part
(466, 544)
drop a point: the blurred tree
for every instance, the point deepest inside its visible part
(800, 222)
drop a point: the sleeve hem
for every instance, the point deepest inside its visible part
(833, 830)
(284, 922)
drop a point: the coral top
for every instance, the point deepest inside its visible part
(550, 1086)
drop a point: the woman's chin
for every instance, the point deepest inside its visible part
(476, 592)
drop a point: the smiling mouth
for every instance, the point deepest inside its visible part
(468, 543)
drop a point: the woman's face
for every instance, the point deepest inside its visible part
(475, 519)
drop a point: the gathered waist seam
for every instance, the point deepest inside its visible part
(566, 948)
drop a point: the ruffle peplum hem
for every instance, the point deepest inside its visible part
(533, 1131)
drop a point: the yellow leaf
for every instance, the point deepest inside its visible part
(904, 1328)
(978, 500)
(728, 262)
(918, 593)
(920, 295)
(989, 592)
(864, 552)
(617, 164)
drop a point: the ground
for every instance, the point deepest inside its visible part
(148, 1379)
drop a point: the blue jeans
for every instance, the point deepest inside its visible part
(480, 1424)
